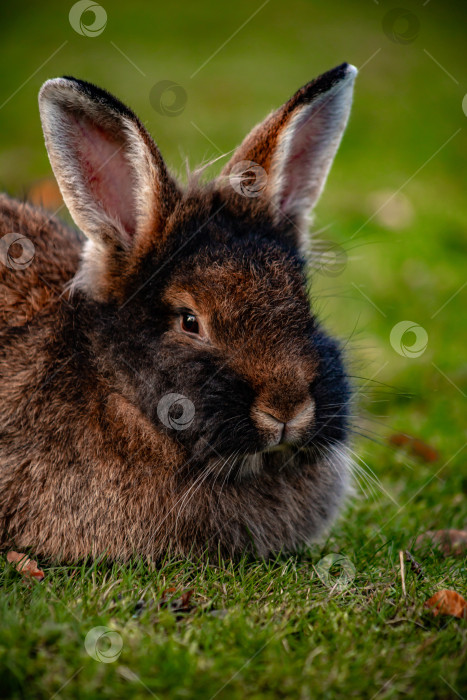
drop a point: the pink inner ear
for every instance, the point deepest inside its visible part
(107, 174)
(306, 163)
(303, 161)
(295, 181)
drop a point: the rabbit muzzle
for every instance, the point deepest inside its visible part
(283, 428)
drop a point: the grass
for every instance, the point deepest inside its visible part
(274, 629)
(257, 629)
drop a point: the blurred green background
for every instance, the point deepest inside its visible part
(394, 207)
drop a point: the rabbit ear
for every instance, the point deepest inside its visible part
(294, 148)
(110, 172)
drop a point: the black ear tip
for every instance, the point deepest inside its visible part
(344, 70)
(341, 75)
(83, 84)
(67, 84)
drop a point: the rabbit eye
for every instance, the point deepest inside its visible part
(189, 323)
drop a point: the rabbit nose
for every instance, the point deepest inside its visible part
(286, 425)
(291, 418)
(268, 420)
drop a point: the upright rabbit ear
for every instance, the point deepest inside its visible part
(110, 172)
(294, 148)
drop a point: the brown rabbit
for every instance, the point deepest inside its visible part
(164, 384)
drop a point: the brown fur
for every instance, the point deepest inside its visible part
(85, 465)
(87, 473)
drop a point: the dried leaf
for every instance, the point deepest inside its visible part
(399, 439)
(451, 542)
(415, 446)
(447, 602)
(424, 451)
(25, 566)
(178, 605)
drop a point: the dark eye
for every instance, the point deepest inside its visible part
(189, 323)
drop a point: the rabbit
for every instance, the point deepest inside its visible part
(165, 385)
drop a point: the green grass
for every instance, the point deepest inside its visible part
(278, 630)
(256, 629)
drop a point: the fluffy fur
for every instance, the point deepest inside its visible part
(91, 344)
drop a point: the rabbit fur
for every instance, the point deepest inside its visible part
(165, 385)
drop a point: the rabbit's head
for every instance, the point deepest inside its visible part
(195, 300)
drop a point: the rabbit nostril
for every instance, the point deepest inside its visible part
(304, 414)
(301, 413)
(271, 417)
(271, 423)
(275, 427)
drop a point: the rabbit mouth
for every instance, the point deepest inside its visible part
(281, 447)
(279, 458)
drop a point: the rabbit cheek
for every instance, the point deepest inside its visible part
(203, 408)
(332, 393)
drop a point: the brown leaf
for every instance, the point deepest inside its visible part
(447, 602)
(415, 446)
(178, 605)
(25, 566)
(451, 542)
